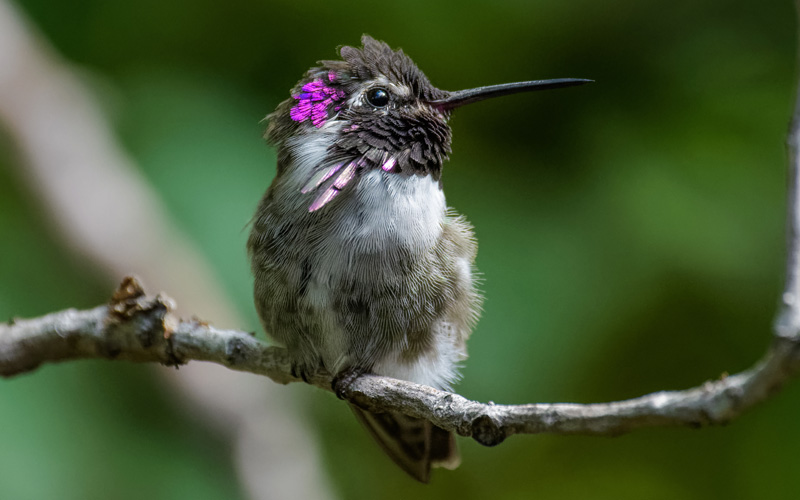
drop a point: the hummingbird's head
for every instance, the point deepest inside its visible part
(376, 109)
(378, 102)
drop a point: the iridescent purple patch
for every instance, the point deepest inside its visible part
(321, 176)
(389, 164)
(345, 176)
(314, 101)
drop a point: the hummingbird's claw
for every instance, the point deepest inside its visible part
(302, 371)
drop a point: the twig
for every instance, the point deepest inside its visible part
(135, 327)
(787, 323)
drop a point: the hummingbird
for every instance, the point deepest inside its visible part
(359, 265)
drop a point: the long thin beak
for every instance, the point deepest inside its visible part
(462, 97)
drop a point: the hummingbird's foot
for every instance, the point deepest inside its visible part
(303, 371)
(342, 380)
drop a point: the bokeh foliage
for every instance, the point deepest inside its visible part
(631, 233)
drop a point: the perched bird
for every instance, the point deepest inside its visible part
(360, 266)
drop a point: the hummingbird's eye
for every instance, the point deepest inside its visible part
(378, 97)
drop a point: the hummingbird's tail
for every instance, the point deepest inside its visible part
(414, 444)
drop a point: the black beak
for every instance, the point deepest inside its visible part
(461, 97)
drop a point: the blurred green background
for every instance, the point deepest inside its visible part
(631, 234)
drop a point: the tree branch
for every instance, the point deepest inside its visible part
(135, 327)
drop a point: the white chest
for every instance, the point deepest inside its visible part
(387, 209)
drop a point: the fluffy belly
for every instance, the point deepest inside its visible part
(379, 279)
